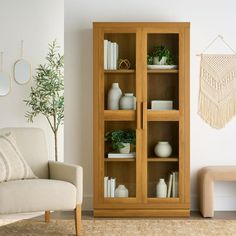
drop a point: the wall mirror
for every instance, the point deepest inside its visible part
(5, 83)
(22, 69)
(5, 80)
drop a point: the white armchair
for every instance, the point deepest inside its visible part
(59, 186)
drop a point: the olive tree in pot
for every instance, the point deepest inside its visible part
(120, 140)
(47, 95)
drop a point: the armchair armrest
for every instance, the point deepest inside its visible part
(70, 173)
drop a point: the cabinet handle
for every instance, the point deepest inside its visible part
(144, 114)
(138, 113)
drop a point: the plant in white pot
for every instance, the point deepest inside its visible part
(47, 95)
(162, 56)
(121, 140)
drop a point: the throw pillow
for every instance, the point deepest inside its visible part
(12, 164)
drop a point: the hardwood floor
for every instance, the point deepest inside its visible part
(88, 215)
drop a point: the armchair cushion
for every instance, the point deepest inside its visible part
(68, 172)
(12, 164)
(36, 195)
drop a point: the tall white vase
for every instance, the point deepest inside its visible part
(161, 189)
(114, 96)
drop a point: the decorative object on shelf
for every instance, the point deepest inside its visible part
(217, 87)
(161, 189)
(22, 68)
(124, 64)
(121, 191)
(161, 105)
(163, 149)
(119, 138)
(128, 102)
(161, 58)
(114, 96)
(5, 80)
(47, 96)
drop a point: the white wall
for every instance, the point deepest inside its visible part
(208, 18)
(37, 23)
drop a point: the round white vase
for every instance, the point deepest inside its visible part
(125, 149)
(161, 189)
(121, 191)
(114, 96)
(163, 149)
(128, 102)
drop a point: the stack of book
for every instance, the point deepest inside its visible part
(121, 155)
(109, 186)
(173, 184)
(111, 55)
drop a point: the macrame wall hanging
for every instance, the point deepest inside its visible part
(217, 92)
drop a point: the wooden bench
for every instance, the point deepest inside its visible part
(207, 176)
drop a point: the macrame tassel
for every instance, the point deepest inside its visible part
(217, 115)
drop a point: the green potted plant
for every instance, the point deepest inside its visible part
(162, 56)
(121, 140)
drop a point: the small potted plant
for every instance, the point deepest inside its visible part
(162, 56)
(121, 140)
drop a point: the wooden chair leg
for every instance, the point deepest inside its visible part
(78, 219)
(47, 216)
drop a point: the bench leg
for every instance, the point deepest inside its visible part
(78, 219)
(206, 196)
(47, 216)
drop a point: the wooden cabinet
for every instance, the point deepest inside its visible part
(140, 175)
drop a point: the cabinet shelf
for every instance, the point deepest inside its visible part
(119, 159)
(165, 115)
(119, 71)
(119, 115)
(163, 71)
(161, 159)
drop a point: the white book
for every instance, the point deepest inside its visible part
(173, 185)
(120, 155)
(109, 188)
(115, 45)
(105, 185)
(113, 186)
(108, 55)
(170, 185)
(112, 55)
(105, 54)
(117, 55)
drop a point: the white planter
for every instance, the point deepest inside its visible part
(156, 61)
(161, 189)
(114, 96)
(125, 149)
(163, 149)
(121, 191)
(128, 102)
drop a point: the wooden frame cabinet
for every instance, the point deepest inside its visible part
(140, 175)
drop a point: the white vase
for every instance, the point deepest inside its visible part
(161, 189)
(121, 191)
(163, 149)
(156, 61)
(114, 96)
(125, 149)
(128, 102)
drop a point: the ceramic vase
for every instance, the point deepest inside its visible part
(114, 96)
(128, 102)
(163, 149)
(156, 61)
(121, 191)
(125, 149)
(161, 189)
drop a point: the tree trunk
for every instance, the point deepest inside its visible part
(55, 143)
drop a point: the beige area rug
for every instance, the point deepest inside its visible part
(124, 227)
